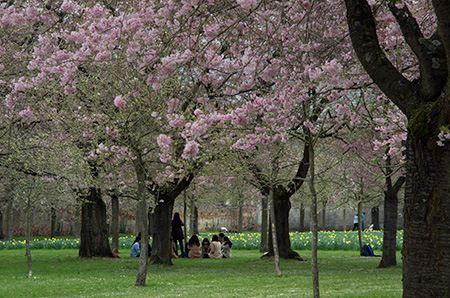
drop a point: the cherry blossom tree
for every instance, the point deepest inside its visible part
(421, 93)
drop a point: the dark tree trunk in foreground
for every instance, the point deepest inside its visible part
(376, 218)
(115, 221)
(94, 232)
(162, 218)
(426, 103)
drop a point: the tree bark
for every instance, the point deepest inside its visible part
(115, 221)
(359, 229)
(282, 206)
(94, 233)
(52, 221)
(425, 102)
(165, 196)
(376, 218)
(302, 218)
(27, 237)
(161, 248)
(314, 223)
(273, 220)
(324, 218)
(264, 225)
(240, 216)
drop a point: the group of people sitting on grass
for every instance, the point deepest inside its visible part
(219, 247)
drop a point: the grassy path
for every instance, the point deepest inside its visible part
(60, 273)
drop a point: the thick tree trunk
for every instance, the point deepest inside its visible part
(94, 233)
(150, 218)
(264, 225)
(376, 218)
(115, 222)
(138, 219)
(390, 230)
(360, 229)
(282, 206)
(161, 249)
(426, 257)
(9, 221)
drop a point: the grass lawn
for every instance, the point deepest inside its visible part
(60, 273)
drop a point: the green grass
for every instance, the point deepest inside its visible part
(60, 273)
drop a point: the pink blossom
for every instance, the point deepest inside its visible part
(68, 90)
(25, 114)
(68, 6)
(165, 157)
(164, 142)
(119, 102)
(247, 4)
(190, 150)
(103, 56)
(112, 132)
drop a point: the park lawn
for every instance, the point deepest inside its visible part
(60, 273)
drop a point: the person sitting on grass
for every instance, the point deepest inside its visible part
(205, 246)
(226, 247)
(215, 249)
(174, 248)
(194, 248)
(136, 248)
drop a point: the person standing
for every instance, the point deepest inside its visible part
(355, 223)
(177, 232)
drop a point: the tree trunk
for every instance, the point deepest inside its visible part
(344, 220)
(94, 232)
(390, 230)
(376, 218)
(302, 218)
(185, 215)
(359, 229)
(9, 221)
(115, 221)
(324, 218)
(425, 101)
(273, 221)
(138, 219)
(2, 236)
(314, 224)
(77, 219)
(52, 221)
(240, 216)
(426, 261)
(161, 249)
(264, 225)
(282, 206)
(27, 237)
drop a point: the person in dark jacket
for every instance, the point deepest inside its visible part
(177, 232)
